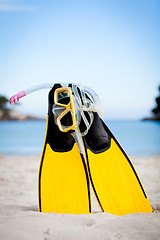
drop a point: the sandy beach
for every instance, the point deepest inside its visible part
(20, 219)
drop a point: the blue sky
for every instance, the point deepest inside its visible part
(110, 46)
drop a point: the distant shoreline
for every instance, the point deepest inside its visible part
(155, 118)
(11, 115)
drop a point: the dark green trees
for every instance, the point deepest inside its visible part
(3, 102)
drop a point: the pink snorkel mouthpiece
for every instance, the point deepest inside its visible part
(15, 98)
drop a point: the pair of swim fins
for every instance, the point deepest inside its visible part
(66, 175)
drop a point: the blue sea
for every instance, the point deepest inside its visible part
(138, 138)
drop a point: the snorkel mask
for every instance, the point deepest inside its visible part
(75, 104)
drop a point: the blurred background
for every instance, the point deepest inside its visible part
(110, 46)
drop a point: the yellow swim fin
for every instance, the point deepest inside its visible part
(115, 182)
(63, 177)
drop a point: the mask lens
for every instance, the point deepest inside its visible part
(66, 120)
(63, 98)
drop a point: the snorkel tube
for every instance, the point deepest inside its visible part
(15, 98)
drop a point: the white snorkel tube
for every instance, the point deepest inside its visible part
(15, 98)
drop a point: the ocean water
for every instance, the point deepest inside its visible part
(138, 138)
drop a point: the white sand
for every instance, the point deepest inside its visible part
(20, 219)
